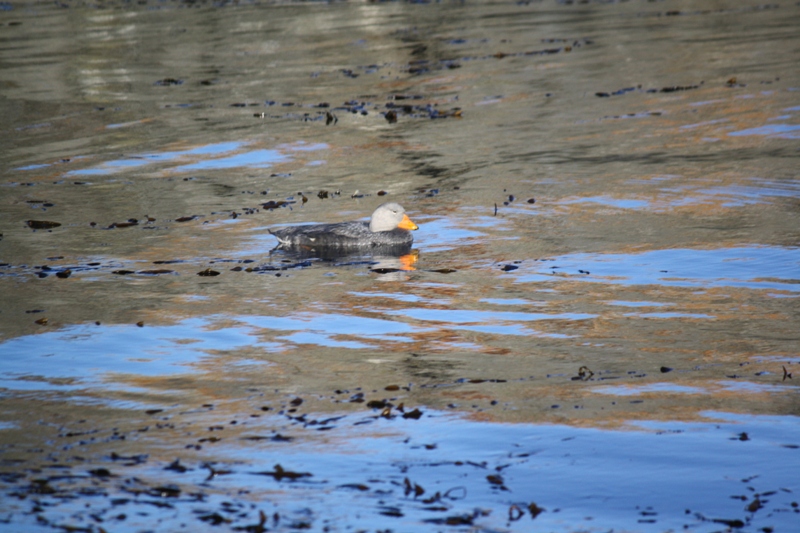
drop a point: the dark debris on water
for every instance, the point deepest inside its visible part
(389, 110)
(639, 89)
(119, 490)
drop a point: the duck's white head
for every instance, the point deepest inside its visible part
(390, 216)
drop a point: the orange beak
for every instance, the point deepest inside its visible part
(407, 224)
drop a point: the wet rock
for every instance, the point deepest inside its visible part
(385, 270)
(416, 414)
(354, 486)
(378, 404)
(42, 224)
(735, 523)
(215, 519)
(535, 510)
(676, 88)
(584, 374)
(755, 505)
(176, 466)
(357, 398)
(165, 491)
(280, 474)
(127, 224)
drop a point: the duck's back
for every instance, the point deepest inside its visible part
(344, 234)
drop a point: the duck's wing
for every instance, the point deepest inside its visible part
(342, 234)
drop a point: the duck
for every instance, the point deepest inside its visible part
(388, 226)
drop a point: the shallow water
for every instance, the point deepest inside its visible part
(598, 319)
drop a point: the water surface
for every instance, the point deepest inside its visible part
(596, 329)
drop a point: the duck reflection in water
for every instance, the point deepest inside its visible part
(385, 240)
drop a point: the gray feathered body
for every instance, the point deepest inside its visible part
(341, 235)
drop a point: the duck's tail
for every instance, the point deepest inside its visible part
(282, 239)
